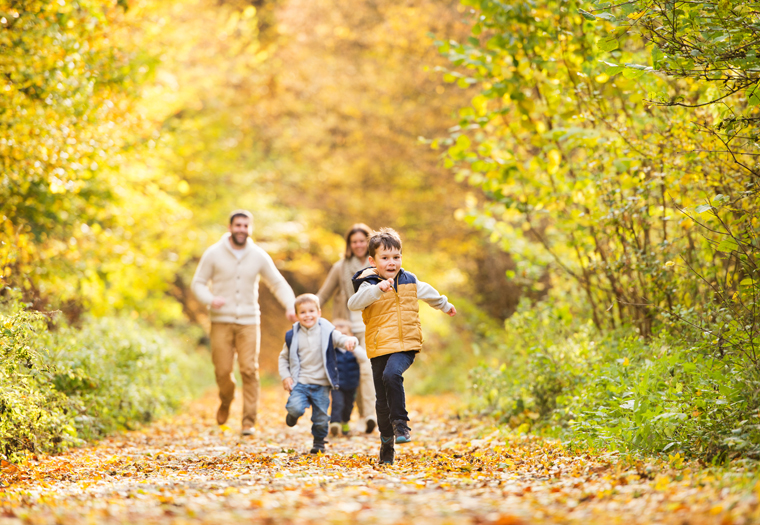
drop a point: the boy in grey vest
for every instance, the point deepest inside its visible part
(309, 366)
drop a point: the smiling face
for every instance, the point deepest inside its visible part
(359, 244)
(240, 228)
(387, 261)
(308, 314)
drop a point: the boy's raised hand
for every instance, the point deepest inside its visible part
(287, 384)
(452, 312)
(385, 285)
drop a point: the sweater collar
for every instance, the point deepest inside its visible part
(226, 242)
(311, 331)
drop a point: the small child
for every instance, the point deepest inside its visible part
(309, 366)
(349, 374)
(387, 296)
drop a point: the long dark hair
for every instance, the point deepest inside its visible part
(359, 227)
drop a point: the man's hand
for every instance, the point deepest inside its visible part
(291, 315)
(452, 312)
(218, 302)
(351, 344)
(287, 384)
(386, 285)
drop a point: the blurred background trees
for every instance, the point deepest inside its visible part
(135, 128)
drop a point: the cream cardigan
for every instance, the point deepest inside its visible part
(238, 282)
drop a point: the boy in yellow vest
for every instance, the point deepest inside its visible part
(388, 298)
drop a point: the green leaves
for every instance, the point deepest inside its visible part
(613, 69)
(58, 388)
(728, 244)
(657, 57)
(753, 95)
(608, 44)
(721, 52)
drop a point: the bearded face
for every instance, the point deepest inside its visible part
(239, 230)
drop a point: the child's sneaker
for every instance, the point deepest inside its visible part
(387, 452)
(290, 420)
(345, 428)
(401, 431)
(334, 429)
(318, 448)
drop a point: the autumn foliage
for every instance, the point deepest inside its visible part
(565, 167)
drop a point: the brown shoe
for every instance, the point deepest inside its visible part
(222, 414)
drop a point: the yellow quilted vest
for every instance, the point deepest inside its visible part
(393, 321)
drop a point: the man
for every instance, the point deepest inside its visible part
(234, 266)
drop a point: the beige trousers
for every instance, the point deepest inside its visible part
(226, 340)
(365, 394)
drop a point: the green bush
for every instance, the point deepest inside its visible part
(669, 394)
(61, 386)
(33, 416)
(674, 392)
(544, 354)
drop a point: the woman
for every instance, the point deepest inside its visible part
(339, 280)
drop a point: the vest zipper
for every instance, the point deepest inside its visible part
(398, 309)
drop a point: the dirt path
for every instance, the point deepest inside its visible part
(186, 470)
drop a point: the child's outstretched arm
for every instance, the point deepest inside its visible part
(351, 344)
(430, 295)
(346, 342)
(365, 296)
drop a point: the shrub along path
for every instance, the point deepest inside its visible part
(185, 470)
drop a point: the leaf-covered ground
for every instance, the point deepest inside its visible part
(458, 470)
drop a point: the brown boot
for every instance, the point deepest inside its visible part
(222, 414)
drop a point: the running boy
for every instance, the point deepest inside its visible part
(308, 366)
(388, 296)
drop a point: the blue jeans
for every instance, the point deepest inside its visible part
(387, 371)
(318, 398)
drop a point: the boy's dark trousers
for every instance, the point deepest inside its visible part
(387, 372)
(342, 404)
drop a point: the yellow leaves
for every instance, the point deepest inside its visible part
(8, 468)
(661, 483)
(555, 157)
(57, 186)
(602, 78)
(480, 104)
(676, 460)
